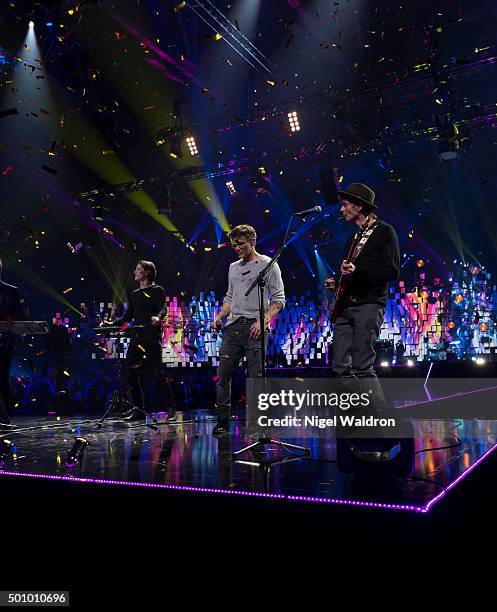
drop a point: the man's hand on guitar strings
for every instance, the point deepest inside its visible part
(347, 269)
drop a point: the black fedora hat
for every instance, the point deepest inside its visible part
(360, 193)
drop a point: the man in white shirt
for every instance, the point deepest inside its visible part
(242, 331)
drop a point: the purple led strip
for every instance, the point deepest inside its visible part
(344, 502)
(433, 501)
(300, 498)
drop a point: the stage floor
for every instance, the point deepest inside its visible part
(186, 456)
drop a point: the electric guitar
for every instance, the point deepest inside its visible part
(341, 288)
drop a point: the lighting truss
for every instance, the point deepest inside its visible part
(402, 134)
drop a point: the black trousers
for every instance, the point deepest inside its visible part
(144, 368)
(236, 343)
(354, 336)
(5, 363)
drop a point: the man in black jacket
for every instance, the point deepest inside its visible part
(358, 326)
(10, 310)
(146, 306)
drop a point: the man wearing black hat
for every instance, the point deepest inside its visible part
(366, 271)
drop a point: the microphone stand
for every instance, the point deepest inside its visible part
(260, 282)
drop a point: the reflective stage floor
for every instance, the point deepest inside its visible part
(186, 456)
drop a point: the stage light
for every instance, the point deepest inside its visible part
(384, 364)
(31, 24)
(480, 361)
(293, 119)
(74, 455)
(192, 145)
(410, 363)
(231, 188)
(420, 263)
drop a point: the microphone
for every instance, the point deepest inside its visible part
(316, 209)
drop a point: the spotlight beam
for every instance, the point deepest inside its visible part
(111, 169)
(228, 27)
(35, 280)
(225, 40)
(238, 33)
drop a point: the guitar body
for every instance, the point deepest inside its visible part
(341, 290)
(339, 300)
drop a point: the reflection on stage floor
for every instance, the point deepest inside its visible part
(186, 456)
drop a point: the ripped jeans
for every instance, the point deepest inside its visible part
(236, 343)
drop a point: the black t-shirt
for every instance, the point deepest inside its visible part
(143, 304)
(377, 264)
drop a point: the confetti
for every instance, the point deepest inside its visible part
(179, 6)
(48, 169)
(289, 41)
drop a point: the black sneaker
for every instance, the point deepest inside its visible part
(136, 415)
(128, 413)
(222, 426)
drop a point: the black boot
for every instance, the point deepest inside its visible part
(136, 415)
(222, 426)
(171, 417)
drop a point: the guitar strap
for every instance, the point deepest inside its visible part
(361, 243)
